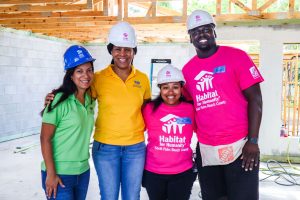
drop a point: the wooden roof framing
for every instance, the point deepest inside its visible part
(90, 20)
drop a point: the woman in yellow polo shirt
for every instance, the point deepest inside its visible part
(66, 129)
(120, 89)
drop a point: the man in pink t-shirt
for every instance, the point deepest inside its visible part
(224, 85)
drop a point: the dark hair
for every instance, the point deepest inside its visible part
(158, 100)
(110, 46)
(67, 88)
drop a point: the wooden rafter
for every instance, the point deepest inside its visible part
(241, 5)
(291, 6)
(266, 5)
(25, 15)
(35, 1)
(51, 7)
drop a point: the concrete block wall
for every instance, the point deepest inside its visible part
(29, 68)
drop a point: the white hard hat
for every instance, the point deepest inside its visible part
(122, 35)
(199, 18)
(168, 74)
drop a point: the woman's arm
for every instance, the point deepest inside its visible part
(52, 179)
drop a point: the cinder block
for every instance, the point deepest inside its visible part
(10, 89)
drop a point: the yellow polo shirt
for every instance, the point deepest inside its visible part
(120, 120)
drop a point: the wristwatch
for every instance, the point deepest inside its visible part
(253, 140)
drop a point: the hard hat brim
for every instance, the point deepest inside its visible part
(123, 44)
(80, 63)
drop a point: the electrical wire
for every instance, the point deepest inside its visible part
(286, 175)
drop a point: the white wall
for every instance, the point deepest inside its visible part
(30, 67)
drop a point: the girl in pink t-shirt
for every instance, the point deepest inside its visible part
(170, 123)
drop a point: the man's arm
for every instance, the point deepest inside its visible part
(250, 153)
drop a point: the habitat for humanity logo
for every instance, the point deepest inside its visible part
(125, 36)
(204, 81)
(173, 123)
(198, 18)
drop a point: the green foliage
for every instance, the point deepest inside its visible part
(208, 5)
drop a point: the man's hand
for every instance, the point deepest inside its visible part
(250, 156)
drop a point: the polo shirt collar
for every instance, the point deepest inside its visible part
(110, 72)
(87, 99)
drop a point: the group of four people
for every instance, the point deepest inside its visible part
(217, 95)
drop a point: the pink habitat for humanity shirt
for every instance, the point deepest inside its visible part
(216, 86)
(170, 130)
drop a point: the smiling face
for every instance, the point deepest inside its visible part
(83, 76)
(203, 37)
(122, 56)
(171, 92)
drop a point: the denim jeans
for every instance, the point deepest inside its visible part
(76, 186)
(119, 165)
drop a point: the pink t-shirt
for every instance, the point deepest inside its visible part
(170, 129)
(215, 85)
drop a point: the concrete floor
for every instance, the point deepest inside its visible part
(20, 176)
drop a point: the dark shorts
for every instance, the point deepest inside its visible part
(230, 181)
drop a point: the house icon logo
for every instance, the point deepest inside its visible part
(125, 36)
(204, 81)
(171, 125)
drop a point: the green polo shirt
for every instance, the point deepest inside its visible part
(74, 124)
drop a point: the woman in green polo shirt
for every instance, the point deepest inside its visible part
(66, 129)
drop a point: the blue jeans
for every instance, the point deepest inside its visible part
(119, 165)
(76, 186)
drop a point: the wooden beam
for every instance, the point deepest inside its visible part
(266, 5)
(105, 7)
(155, 20)
(291, 6)
(149, 11)
(49, 7)
(50, 14)
(218, 7)
(125, 9)
(254, 4)
(120, 9)
(154, 9)
(184, 8)
(35, 1)
(58, 20)
(241, 5)
(83, 25)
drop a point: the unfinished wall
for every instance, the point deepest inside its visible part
(29, 68)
